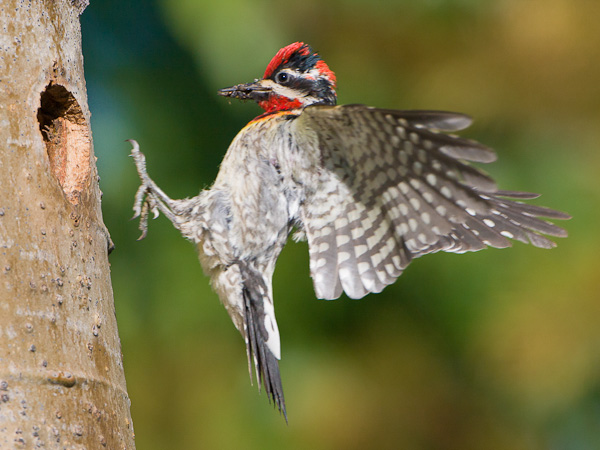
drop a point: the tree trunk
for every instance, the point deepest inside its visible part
(61, 374)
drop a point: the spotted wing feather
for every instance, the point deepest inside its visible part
(393, 187)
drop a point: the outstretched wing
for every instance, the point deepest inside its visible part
(391, 187)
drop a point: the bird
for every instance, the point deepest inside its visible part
(370, 189)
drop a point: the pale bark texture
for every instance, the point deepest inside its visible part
(62, 384)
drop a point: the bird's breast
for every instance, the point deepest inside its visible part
(256, 187)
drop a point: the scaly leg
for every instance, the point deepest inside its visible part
(149, 197)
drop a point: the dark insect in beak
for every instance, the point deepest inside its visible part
(249, 91)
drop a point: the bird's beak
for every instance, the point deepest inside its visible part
(250, 91)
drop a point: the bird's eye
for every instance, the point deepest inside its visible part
(282, 77)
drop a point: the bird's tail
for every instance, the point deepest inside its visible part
(261, 333)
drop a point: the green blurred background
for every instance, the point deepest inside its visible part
(493, 350)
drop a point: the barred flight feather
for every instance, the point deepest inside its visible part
(393, 188)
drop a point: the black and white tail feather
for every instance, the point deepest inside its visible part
(255, 293)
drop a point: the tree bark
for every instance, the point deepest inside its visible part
(62, 383)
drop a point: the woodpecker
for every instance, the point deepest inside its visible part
(370, 189)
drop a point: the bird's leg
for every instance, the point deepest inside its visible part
(149, 197)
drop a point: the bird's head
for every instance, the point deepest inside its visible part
(296, 77)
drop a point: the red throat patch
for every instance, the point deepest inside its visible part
(279, 103)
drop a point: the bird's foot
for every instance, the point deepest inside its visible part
(149, 198)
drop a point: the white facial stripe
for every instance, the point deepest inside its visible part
(288, 92)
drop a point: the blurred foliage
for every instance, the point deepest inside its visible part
(496, 350)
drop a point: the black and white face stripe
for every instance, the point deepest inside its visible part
(309, 87)
(300, 91)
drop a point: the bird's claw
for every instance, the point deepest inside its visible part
(145, 201)
(141, 211)
(149, 197)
